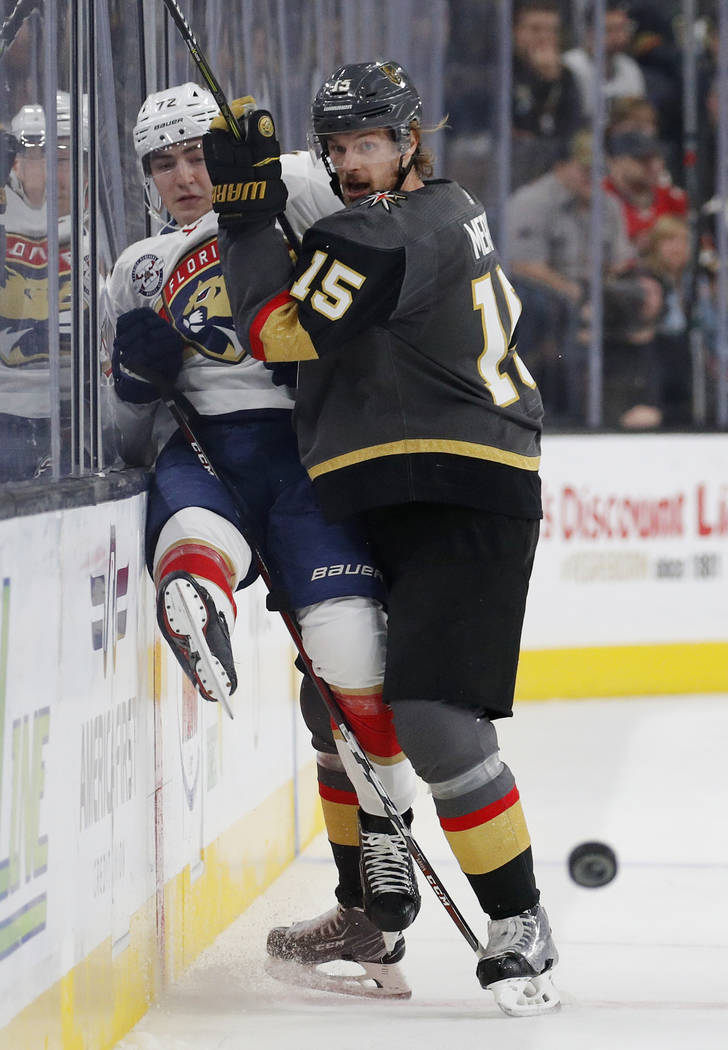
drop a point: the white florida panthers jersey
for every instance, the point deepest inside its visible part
(177, 272)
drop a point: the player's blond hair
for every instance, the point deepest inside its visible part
(424, 159)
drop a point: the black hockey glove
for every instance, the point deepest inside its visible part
(146, 348)
(284, 373)
(246, 173)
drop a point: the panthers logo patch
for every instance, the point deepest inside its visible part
(147, 275)
(196, 300)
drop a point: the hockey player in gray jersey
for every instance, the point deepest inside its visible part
(416, 414)
(169, 303)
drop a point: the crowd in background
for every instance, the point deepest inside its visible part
(658, 251)
(657, 315)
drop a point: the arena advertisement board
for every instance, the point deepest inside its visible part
(634, 542)
(118, 784)
(74, 782)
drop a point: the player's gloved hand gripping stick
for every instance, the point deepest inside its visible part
(266, 194)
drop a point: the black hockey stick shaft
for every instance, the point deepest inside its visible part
(12, 24)
(174, 403)
(219, 95)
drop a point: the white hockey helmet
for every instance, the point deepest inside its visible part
(168, 117)
(29, 128)
(29, 124)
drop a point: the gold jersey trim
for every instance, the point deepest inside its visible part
(427, 445)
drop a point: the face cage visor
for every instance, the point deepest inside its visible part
(318, 143)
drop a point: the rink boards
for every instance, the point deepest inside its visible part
(136, 821)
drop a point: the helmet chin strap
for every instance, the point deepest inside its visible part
(404, 171)
(333, 176)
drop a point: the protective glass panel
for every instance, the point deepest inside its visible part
(597, 141)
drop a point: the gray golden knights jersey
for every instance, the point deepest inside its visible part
(178, 274)
(410, 387)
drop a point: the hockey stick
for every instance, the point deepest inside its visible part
(219, 95)
(173, 401)
(13, 23)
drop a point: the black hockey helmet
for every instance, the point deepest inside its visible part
(366, 95)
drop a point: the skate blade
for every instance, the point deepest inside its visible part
(187, 618)
(526, 996)
(378, 981)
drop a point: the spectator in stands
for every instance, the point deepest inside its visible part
(655, 50)
(549, 235)
(546, 109)
(708, 41)
(471, 100)
(631, 393)
(635, 114)
(634, 179)
(623, 75)
(707, 151)
(667, 257)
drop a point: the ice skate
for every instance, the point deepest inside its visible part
(517, 966)
(391, 895)
(198, 634)
(346, 942)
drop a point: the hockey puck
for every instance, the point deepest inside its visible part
(592, 864)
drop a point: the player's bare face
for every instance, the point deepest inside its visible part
(365, 161)
(180, 175)
(30, 167)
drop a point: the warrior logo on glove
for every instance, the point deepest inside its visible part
(246, 171)
(229, 192)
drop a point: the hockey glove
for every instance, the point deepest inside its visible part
(284, 373)
(146, 349)
(246, 172)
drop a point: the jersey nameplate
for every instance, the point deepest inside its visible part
(479, 235)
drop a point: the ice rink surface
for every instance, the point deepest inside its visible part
(644, 960)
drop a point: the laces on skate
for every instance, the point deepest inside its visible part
(391, 895)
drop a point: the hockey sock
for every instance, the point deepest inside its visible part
(340, 807)
(477, 802)
(492, 846)
(338, 797)
(206, 565)
(372, 724)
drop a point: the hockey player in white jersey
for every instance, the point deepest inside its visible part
(173, 321)
(24, 357)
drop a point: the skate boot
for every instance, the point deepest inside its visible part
(391, 896)
(519, 959)
(198, 634)
(342, 935)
